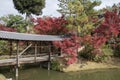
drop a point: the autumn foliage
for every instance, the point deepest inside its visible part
(51, 26)
(69, 47)
(107, 30)
(57, 26)
(110, 28)
(4, 28)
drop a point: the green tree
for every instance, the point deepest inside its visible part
(80, 14)
(15, 21)
(29, 7)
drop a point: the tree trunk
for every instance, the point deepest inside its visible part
(27, 19)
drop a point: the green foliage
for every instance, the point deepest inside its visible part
(79, 15)
(98, 58)
(107, 50)
(117, 50)
(15, 21)
(55, 65)
(29, 6)
(86, 52)
(89, 7)
(90, 53)
(3, 48)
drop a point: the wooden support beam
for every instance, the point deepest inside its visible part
(49, 57)
(35, 50)
(49, 61)
(17, 60)
(25, 49)
(11, 48)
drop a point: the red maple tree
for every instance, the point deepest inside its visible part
(69, 48)
(51, 26)
(110, 28)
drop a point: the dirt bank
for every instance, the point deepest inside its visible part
(88, 65)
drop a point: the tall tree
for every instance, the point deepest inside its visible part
(80, 14)
(29, 7)
(51, 26)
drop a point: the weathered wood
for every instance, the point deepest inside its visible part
(35, 51)
(17, 54)
(25, 50)
(7, 62)
(49, 58)
(11, 48)
(16, 72)
(17, 59)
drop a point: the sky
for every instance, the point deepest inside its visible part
(7, 7)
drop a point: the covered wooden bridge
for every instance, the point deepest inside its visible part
(34, 43)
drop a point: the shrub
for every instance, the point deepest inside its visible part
(117, 50)
(97, 55)
(55, 64)
(86, 53)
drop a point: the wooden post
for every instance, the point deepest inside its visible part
(35, 51)
(11, 48)
(17, 60)
(49, 58)
(40, 52)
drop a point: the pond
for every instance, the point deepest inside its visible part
(43, 74)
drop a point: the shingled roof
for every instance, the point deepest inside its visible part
(28, 37)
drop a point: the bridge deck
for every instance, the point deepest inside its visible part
(7, 62)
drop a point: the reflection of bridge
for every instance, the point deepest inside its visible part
(34, 41)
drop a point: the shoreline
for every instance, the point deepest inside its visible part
(89, 65)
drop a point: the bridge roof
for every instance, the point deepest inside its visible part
(28, 37)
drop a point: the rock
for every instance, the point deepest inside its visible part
(9, 79)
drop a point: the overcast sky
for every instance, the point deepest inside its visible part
(7, 7)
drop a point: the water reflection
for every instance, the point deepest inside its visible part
(43, 74)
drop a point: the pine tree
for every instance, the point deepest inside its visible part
(80, 14)
(29, 7)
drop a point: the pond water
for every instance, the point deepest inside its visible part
(43, 74)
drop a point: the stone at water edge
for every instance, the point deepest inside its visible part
(9, 79)
(2, 77)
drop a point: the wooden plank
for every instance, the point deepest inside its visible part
(7, 62)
